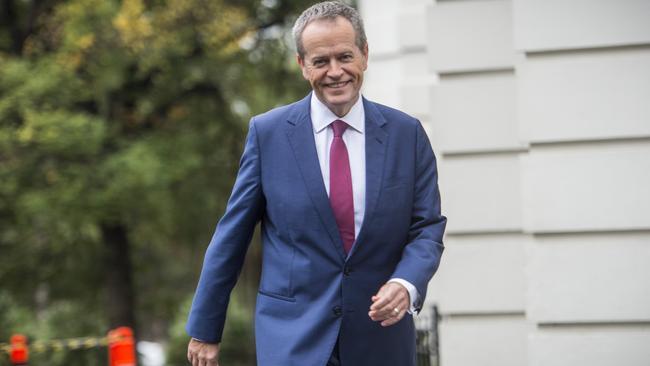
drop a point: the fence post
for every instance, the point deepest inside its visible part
(19, 353)
(435, 336)
(121, 347)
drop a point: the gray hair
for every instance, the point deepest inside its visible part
(329, 10)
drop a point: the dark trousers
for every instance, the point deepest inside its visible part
(334, 358)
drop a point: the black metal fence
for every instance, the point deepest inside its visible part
(427, 349)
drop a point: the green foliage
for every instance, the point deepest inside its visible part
(127, 114)
(61, 319)
(238, 348)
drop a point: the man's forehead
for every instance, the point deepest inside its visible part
(320, 28)
(329, 36)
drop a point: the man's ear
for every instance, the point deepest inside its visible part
(364, 51)
(301, 63)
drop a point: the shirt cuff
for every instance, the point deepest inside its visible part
(414, 297)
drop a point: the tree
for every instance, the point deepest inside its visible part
(121, 125)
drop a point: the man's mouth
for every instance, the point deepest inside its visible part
(338, 84)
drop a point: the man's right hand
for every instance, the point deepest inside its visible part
(203, 354)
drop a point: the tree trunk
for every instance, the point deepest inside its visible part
(18, 32)
(118, 275)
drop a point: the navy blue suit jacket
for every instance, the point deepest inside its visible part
(310, 293)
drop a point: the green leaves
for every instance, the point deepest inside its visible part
(62, 133)
(127, 115)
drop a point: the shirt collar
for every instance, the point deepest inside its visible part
(321, 116)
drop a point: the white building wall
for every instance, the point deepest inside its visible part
(539, 113)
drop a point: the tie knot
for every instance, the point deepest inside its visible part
(339, 128)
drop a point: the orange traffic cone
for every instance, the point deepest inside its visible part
(121, 347)
(19, 353)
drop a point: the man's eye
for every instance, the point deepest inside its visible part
(346, 57)
(319, 63)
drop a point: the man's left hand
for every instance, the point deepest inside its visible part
(390, 304)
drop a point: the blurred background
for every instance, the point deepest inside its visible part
(121, 127)
(122, 123)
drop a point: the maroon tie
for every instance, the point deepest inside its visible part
(341, 186)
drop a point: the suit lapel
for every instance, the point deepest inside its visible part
(301, 137)
(376, 144)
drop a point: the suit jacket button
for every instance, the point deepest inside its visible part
(346, 270)
(337, 311)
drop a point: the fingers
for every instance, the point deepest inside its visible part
(390, 321)
(381, 299)
(201, 359)
(203, 354)
(393, 309)
(391, 297)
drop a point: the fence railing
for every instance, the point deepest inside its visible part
(426, 326)
(120, 343)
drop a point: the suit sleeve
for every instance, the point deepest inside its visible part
(225, 254)
(424, 247)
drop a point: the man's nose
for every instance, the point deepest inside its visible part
(335, 70)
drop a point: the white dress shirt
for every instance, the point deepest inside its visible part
(355, 142)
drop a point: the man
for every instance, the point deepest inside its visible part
(347, 194)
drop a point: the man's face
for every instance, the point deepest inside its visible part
(333, 64)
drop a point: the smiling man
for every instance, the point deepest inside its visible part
(346, 191)
(333, 63)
